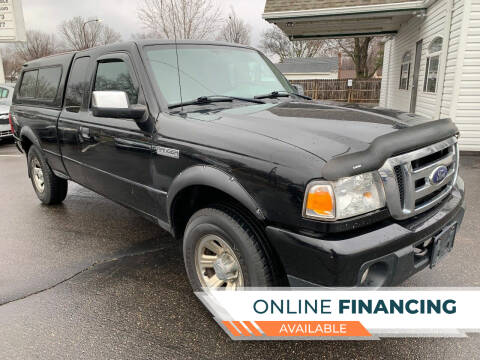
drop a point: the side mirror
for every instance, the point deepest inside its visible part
(299, 89)
(114, 104)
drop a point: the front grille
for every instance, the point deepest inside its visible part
(410, 181)
(4, 121)
(400, 182)
(5, 133)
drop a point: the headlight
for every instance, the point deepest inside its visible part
(344, 198)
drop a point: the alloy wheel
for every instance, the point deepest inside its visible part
(217, 265)
(37, 174)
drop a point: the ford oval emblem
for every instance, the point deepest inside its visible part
(438, 175)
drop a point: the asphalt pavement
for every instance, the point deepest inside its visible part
(89, 279)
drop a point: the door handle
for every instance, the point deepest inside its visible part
(132, 145)
(85, 132)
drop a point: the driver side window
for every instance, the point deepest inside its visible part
(114, 75)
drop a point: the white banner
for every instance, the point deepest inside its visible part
(298, 314)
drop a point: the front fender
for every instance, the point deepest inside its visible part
(215, 178)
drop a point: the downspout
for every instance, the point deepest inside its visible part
(448, 30)
(390, 43)
(460, 59)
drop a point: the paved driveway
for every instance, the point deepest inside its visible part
(90, 279)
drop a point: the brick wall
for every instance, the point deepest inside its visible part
(288, 5)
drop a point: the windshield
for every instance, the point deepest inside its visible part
(5, 96)
(207, 70)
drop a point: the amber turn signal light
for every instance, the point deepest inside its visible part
(320, 202)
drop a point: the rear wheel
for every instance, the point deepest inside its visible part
(50, 189)
(222, 251)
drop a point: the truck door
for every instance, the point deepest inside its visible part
(110, 156)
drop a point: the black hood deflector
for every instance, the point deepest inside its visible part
(386, 146)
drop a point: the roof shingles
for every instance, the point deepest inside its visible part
(298, 5)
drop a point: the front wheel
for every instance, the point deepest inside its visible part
(222, 251)
(50, 189)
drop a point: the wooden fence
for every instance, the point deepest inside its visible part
(361, 91)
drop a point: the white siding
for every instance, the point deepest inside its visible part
(426, 28)
(466, 93)
(459, 98)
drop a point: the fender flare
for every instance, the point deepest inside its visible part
(28, 133)
(215, 178)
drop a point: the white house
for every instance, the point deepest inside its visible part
(432, 55)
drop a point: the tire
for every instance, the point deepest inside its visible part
(242, 245)
(54, 189)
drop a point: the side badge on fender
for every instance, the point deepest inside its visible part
(171, 153)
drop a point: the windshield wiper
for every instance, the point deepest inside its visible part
(302, 96)
(205, 100)
(273, 95)
(277, 94)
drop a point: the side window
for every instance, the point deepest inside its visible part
(3, 93)
(48, 82)
(76, 85)
(115, 75)
(28, 87)
(41, 84)
(433, 65)
(405, 71)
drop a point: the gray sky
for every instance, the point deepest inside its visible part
(46, 15)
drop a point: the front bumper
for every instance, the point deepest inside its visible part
(5, 131)
(6, 134)
(341, 261)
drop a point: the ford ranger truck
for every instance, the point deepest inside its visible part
(263, 186)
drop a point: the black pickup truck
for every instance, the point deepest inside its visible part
(264, 186)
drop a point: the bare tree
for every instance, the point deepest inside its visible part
(80, 33)
(183, 19)
(275, 42)
(12, 65)
(38, 44)
(109, 36)
(235, 30)
(366, 53)
(143, 36)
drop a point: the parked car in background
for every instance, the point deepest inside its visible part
(264, 186)
(6, 95)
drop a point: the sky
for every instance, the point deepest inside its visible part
(46, 15)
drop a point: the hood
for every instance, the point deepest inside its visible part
(324, 130)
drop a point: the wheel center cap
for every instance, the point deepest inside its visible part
(225, 267)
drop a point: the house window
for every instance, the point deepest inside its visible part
(433, 65)
(405, 71)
